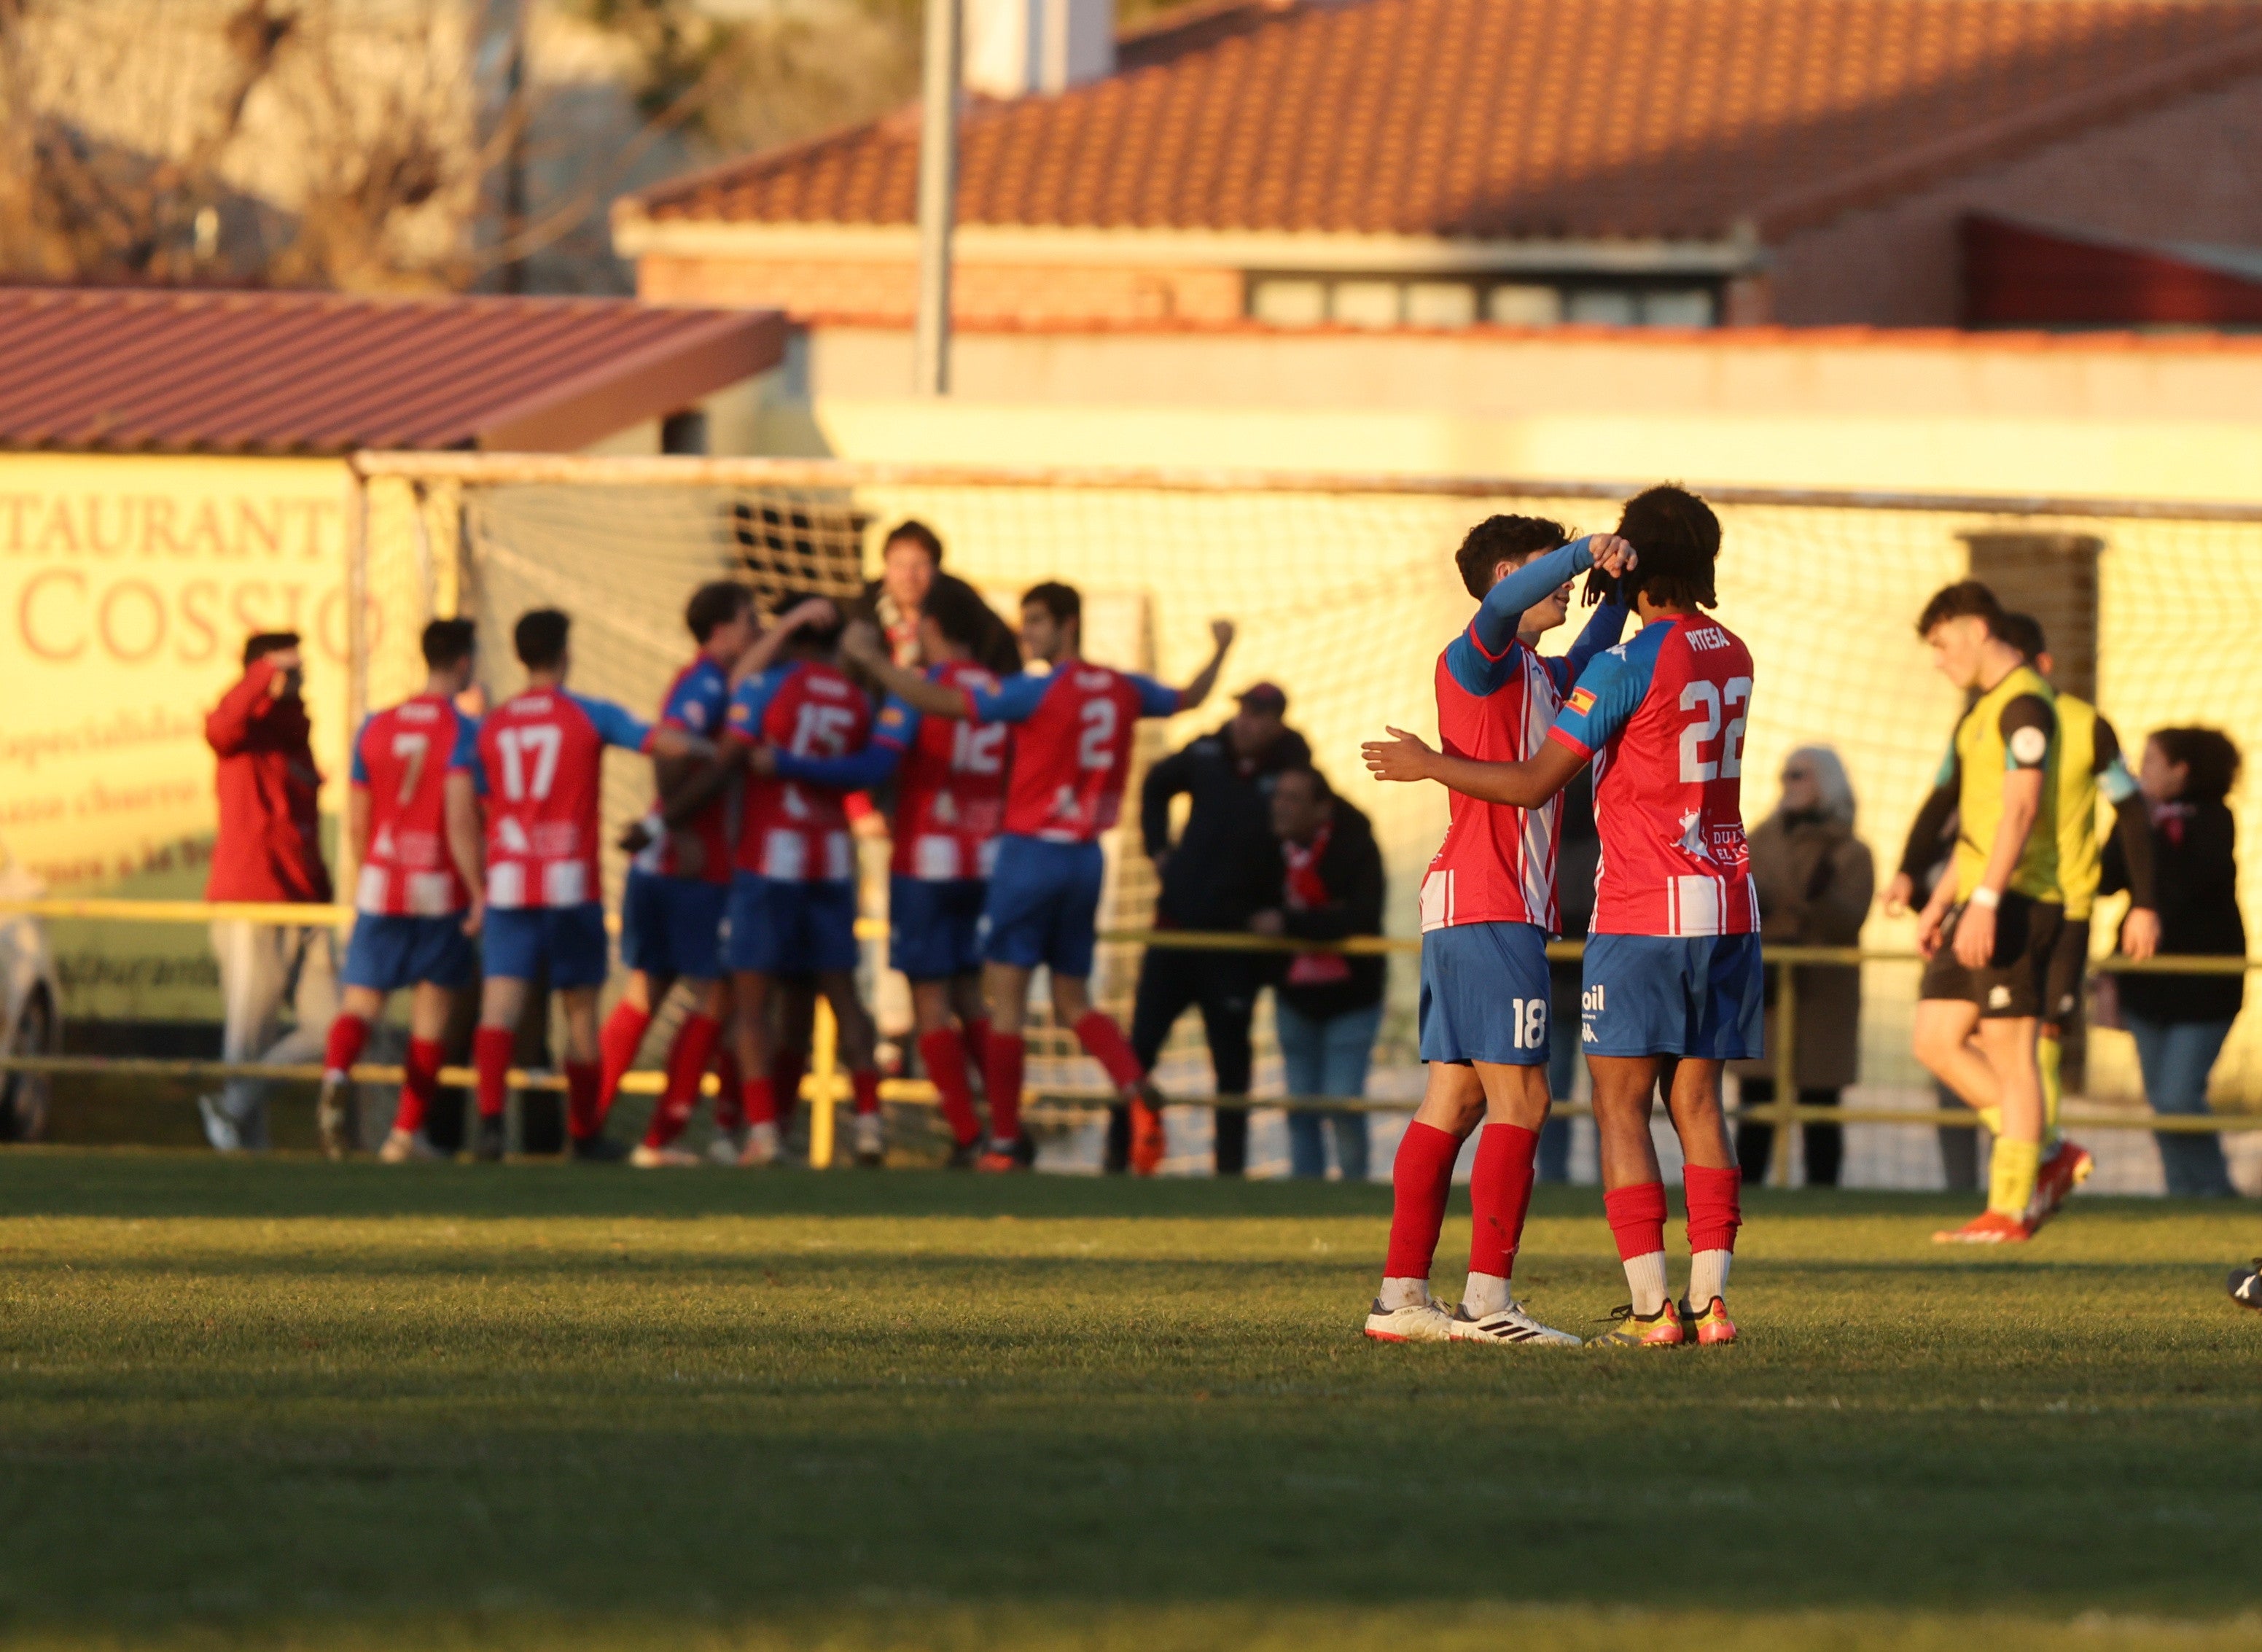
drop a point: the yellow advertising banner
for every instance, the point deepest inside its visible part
(128, 585)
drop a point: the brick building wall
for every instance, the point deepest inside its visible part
(1033, 293)
(2189, 171)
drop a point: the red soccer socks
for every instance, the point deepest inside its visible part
(1002, 1070)
(687, 1065)
(943, 1055)
(618, 1044)
(1715, 1207)
(1500, 1197)
(343, 1046)
(1421, 1177)
(420, 1082)
(491, 1047)
(1104, 1042)
(1637, 1218)
(583, 1117)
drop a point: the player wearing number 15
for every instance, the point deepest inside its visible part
(413, 819)
(541, 754)
(1071, 758)
(1672, 959)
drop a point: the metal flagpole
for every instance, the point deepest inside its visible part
(938, 193)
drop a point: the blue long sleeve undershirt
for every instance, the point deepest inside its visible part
(1503, 608)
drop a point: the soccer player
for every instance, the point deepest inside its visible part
(672, 910)
(1071, 758)
(1487, 909)
(1991, 923)
(540, 755)
(413, 817)
(950, 800)
(1671, 971)
(793, 894)
(2090, 764)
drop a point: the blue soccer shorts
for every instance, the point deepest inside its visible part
(391, 950)
(934, 925)
(1701, 996)
(672, 925)
(780, 925)
(567, 943)
(1044, 905)
(1485, 994)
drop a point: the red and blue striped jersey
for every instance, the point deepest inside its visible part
(798, 830)
(403, 759)
(542, 753)
(1072, 744)
(1663, 719)
(950, 787)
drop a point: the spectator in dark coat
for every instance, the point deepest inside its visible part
(2181, 1022)
(268, 848)
(1225, 867)
(1327, 1007)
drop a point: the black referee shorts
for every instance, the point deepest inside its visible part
(2069, 968)
(2015, 981)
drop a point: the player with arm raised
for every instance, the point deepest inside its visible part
(413, 817)
(1071, 758)
(793, 894)
(1487, 909)
(1672, 967)
(672, 910)
(541, 754)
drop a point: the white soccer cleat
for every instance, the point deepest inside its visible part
(727, 1146)
(646, 1156)
(871, 1139)
(403, 1147)
(1417, 1322)
(761, 1145)
(1511, 1325)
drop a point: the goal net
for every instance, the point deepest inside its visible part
(1344, 591)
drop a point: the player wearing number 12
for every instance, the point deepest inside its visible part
(413, 818)
(1071, 758)
(1672, 962)
(541, 754)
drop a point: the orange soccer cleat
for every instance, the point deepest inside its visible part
(1709, 1325)
(1148, 1141)
(1629, 1330)
(1989, 1227)
(2062, 1171)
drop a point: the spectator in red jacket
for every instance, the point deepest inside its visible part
(268, 849)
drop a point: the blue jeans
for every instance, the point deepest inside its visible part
(1327, 1058)
(2176, 1057)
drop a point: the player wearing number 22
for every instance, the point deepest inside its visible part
(1672, 967)
(1488, 908)
(541, 754)
(1072, 757)
(414, 822)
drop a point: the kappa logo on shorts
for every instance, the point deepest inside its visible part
(1998, 998)
(1591, 1004)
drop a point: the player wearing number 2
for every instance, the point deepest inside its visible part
(1672, 959)
(1071, 758)
(541, 753)
(1488, 908)
(413, 818)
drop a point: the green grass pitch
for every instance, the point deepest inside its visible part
(293, 1404)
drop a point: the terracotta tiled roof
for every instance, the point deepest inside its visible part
(1518, 118)
(111, 370)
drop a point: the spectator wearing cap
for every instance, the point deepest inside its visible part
(1224, 867)
(268, 848)
(1326, 1005)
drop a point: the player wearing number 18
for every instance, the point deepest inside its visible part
(1071, 758)
(413, 818)
(1672, 962)
(541, 754)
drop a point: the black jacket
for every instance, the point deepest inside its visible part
(1352, 868)
(2196, 875)
(1226, 864)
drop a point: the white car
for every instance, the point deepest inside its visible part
(31, 1006)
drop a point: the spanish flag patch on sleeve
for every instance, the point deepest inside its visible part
(1582, 701)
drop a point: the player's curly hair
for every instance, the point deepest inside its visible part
(1498, 539)
(1676, 541)
(2212, 760)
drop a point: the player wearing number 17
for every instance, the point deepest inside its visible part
(1672, 965)
(1072, 757)
(541, 754)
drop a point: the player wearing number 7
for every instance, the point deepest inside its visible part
(541, 754)
(413, 818)
(1672, 965)
(1072, 757)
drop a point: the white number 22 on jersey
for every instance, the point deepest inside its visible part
(1709, 703)
(541, 741)
(1094, 749)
